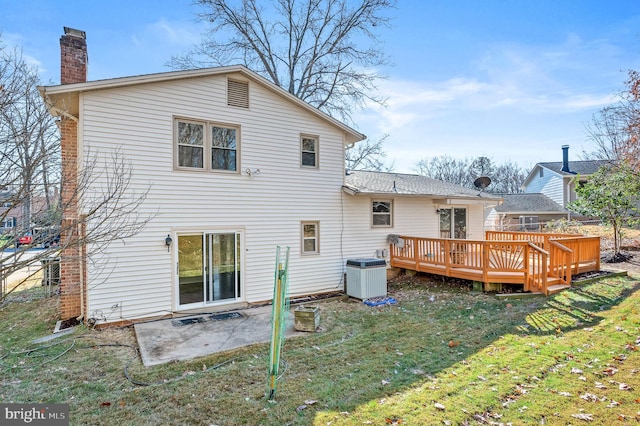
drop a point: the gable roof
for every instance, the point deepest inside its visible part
(529, 203)
(383, 183)
(586, 167)
(582, 168)
(63, 99)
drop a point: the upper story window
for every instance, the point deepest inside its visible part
(206, 146)
(309, 151)
(8, 222)
(190, 145)
(223, 148)
(381, 213)
(541, 172)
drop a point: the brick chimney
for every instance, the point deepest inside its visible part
(565, 158)
(73, 69)
(74, 59)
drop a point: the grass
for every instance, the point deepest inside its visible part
(440, 356)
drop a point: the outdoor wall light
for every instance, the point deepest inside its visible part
(167, 242)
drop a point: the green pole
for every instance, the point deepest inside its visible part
(278, 312)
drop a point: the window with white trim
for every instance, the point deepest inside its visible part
(381, 213)
(310, 237)
(8, 222)
(309, 151)
(206, 146)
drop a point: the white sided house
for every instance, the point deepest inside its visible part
(558, 179)
(234, 166)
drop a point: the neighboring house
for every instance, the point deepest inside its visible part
(523, 212)
(12, 211)
(557, 180)
(9, 213)
(548, 190)
(234, 166)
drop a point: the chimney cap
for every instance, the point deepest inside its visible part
(75, 33)
(565, 146)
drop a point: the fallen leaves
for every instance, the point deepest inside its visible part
(585, 417)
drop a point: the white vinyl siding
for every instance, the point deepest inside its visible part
(136, 279)
(550, 184)
(413, 216)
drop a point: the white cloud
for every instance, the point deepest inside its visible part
(176, 33)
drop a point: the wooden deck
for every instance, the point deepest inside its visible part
(542, 263)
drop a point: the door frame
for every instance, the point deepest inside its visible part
(206, 233)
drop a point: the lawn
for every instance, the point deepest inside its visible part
(440, 356)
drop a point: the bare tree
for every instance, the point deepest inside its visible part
(447, 169)
(506, 178)
(30, 176)
(311, 48)
(615, 129)
(368, 156)
(29, 143)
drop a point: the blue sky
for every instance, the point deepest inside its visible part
(511, 80)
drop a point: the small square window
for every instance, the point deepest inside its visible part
(309, 151)
(310, 237)
(381, 212)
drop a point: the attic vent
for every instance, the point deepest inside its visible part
(238, 93)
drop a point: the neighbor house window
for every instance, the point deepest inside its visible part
(8, 222)
(309, 151)
(541, 171)
(310, 237)
(206, 146)
(381, 212)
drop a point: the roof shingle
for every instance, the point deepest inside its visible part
(368, 182)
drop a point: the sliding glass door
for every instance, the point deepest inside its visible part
(209, 266)
(453, 223)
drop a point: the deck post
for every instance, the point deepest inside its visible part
(447, 257)
(485, 261)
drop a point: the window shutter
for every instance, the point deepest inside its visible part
(238, 93)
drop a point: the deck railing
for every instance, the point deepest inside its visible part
(540, 239)
(531, 259)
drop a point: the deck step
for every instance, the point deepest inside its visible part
(553, 289)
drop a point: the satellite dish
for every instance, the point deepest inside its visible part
(482, 182)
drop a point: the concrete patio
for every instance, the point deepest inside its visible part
(185, 338)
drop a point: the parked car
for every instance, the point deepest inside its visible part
(25, 239)
(51, 238)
